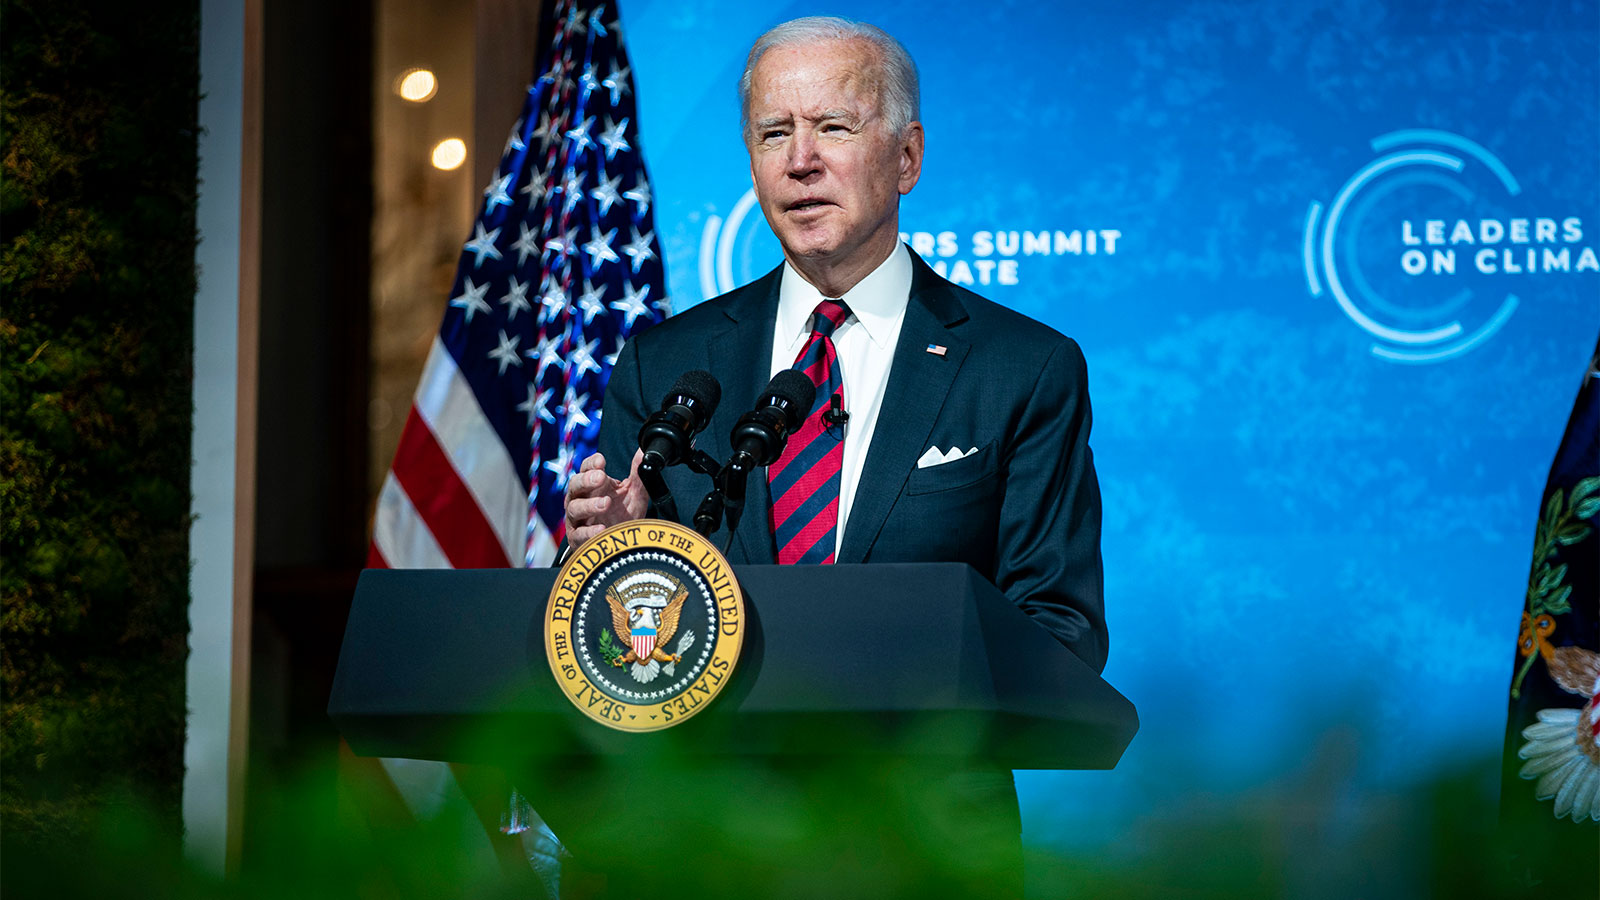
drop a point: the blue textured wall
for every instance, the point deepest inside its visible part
(1320, 470)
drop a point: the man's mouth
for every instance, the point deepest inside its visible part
(807, 203)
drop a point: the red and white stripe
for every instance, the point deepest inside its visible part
(452, 498)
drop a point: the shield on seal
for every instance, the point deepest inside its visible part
(644, 639)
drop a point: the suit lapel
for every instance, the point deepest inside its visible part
(744, 347)
(918, 383)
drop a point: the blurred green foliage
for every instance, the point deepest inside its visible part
(98, 117)
(343, 837)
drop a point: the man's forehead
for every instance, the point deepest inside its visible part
(816, 80)
(847, 62)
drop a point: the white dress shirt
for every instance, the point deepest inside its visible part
(865, 344)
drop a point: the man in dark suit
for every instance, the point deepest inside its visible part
(830, 155)
(967, 436)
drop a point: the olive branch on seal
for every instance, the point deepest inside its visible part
(609, 648)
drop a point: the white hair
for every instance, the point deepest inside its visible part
(900, 100)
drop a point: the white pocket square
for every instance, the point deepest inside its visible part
(934, 456)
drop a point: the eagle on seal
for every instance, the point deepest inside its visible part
(656, 623)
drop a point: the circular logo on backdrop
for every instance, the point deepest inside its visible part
(724, 239)
(1390, 244)
(644, 626)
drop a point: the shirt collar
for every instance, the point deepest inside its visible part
(877, 302)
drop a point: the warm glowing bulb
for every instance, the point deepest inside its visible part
(449, 153)
(417, 85)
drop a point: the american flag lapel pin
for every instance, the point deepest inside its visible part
(936, 349)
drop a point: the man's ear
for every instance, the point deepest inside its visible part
(911, 157)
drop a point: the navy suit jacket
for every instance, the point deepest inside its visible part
(1024, 510)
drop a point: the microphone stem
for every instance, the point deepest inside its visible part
(709, 515)
(660, 495)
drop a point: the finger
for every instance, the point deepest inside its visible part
(599, 482)
(577, 537)
(576, 488)
(584, 481)
(587, 511)
(589, 483)
(635, 499)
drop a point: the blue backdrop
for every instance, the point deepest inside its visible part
(1333, 267)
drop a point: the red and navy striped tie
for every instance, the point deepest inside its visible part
(805, 479)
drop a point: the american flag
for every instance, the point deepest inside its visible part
(561, 267)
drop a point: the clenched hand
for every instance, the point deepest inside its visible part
(596, 501)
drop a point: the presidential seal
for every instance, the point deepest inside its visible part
(644, 626)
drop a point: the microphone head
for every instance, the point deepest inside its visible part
(793, 392)
(702, 390)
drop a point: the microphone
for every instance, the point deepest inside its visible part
(668, 434)
(759, 436)
(835, 413)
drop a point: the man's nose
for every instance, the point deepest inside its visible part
(803, 157)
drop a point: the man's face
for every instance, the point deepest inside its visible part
(827, 169)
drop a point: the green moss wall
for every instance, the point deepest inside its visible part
(97, 281)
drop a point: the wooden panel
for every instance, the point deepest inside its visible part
(507, 35)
